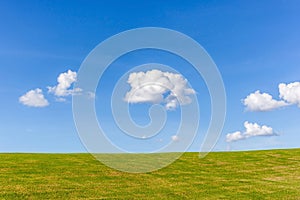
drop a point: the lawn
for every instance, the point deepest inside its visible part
(272, 174)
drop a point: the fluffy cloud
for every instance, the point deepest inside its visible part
(156, 86)
(290, 92)
(230, 137)
(65, 80)
(252, 130)
(262, 102)
(34, 98)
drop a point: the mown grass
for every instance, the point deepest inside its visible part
(273, 174)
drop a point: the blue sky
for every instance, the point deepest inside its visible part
(255, 45)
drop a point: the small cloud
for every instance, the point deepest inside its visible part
(34, 98)
(60, 99)
(252, 130)
(262, 102)
(65, 81)
(230, 137)
(290, 92)
(160, 140)
(174, 138)
(156, 86)
(91, 95)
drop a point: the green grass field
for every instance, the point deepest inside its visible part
(273, 174)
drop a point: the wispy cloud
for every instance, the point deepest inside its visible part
(34, 98)
(91, 95)
(252, 130)
(156, 86)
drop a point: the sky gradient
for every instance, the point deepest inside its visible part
(255, 45)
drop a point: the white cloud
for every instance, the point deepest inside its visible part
(230, 137)
(262, 102)
(290, 92)
(65, 81)
(252, 130)
(34, 98)
(60, 99)
(175, 138)
(91, 95)
(155, 86)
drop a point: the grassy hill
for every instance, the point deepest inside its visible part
(273, 174)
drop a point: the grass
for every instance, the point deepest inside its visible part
(273, 174)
